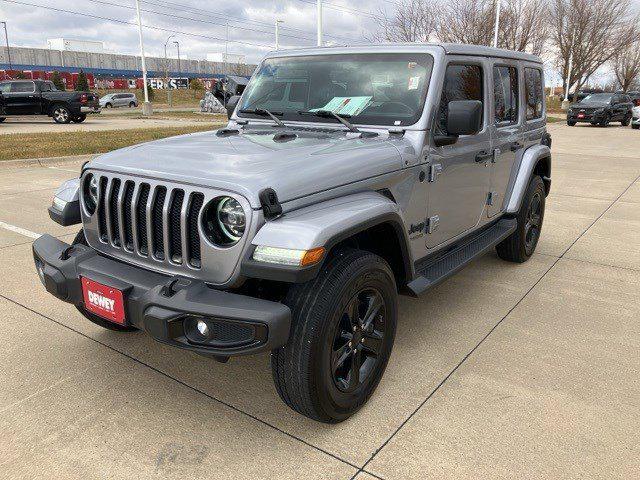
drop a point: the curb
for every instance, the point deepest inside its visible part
(43, 162)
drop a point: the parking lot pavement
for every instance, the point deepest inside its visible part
(93, 123)
(503, 371)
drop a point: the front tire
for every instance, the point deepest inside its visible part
(342, 333)
(132, 105)
(61, 114)
(626, 121)
(605, 121)
(571, 123)
(2, 119)
(635, 127)
(521, 244)
(80, 239)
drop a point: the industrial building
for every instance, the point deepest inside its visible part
(104, 65)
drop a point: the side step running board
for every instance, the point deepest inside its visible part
(430, 273)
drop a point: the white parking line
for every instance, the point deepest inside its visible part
(20, 231)
(63, 169)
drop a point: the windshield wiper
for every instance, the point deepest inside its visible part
(263, 112)
(329, 114)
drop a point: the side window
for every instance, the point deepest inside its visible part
(533, 93)
(505, 94)
(461, 82)
(23, 87)
(45, 87)
(5, 87)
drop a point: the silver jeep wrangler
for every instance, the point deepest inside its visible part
(346, 176)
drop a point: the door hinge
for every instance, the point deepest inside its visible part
(433, 223)
(434, 172)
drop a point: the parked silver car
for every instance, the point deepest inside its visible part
(345, 177)
(114, 100)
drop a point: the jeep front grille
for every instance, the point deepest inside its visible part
(143, 219)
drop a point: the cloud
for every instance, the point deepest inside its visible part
(200, 26)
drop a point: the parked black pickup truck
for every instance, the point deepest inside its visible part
(39, 97)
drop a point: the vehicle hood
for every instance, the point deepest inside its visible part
(304, 163)
(591, 105)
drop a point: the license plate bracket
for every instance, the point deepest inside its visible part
(105, 301)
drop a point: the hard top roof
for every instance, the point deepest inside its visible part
(449, 48)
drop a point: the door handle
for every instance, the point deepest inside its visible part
(516, 146)
(483, 156)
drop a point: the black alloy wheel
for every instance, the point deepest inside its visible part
(533, 224)
(358, 340)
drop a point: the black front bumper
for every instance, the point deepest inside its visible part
(587, 118)
(162, 305)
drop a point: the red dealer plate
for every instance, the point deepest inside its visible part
(107, 302)
(581, 115)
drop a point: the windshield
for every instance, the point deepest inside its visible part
(598, 98)
(372, 89)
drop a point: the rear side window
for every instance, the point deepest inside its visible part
(533, 93)
(505, 93)
(462, 82)
(23, 87)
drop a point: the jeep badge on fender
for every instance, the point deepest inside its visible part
(345, 177)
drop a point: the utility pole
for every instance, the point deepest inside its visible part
(226, 67)
(177, 44)
(497, 25)
(278, 22)
(319, 15)
(6, 36)
(166, 71)
(147, 109)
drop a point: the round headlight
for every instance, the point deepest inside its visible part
(90, 193)
(224, 221)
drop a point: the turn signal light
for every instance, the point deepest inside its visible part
(312, 257)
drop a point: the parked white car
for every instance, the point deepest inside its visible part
(119, 100)
(635, 122)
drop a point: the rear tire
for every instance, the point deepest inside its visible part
(521, 244)
(635, 127)
(605, 121)
(81, 240)
(132, 105)
(626, 121)
(108, 105)
(342, 333)
(571, 123)
(61, 114)
(2, 119)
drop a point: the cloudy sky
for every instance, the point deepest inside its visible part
(200, 25)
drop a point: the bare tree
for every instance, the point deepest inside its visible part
(523, 25)
(626, 66)
(593, 30)
(467, 21)
(412, 21)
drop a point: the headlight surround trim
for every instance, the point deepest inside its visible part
(90, 189)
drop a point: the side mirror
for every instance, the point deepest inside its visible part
(232, 103)
(464, 117)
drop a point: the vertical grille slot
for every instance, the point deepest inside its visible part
(175, 236)
(129, 187)
(157, 222)
(141, 213)
(113, 212)
(102, 218)
(193, 242)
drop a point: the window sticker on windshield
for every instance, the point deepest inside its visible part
(412, 65)
(414, 83)
(346, 105)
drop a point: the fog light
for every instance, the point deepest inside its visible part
(203, 328)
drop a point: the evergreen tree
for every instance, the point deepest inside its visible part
(82, 85)
(57, 81)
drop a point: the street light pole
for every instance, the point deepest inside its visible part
(319, 15)
(146, 108)
(166, 71)
(497, 25)
(6, 36)
(177, 44)
(278, 22)
(566, 103)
